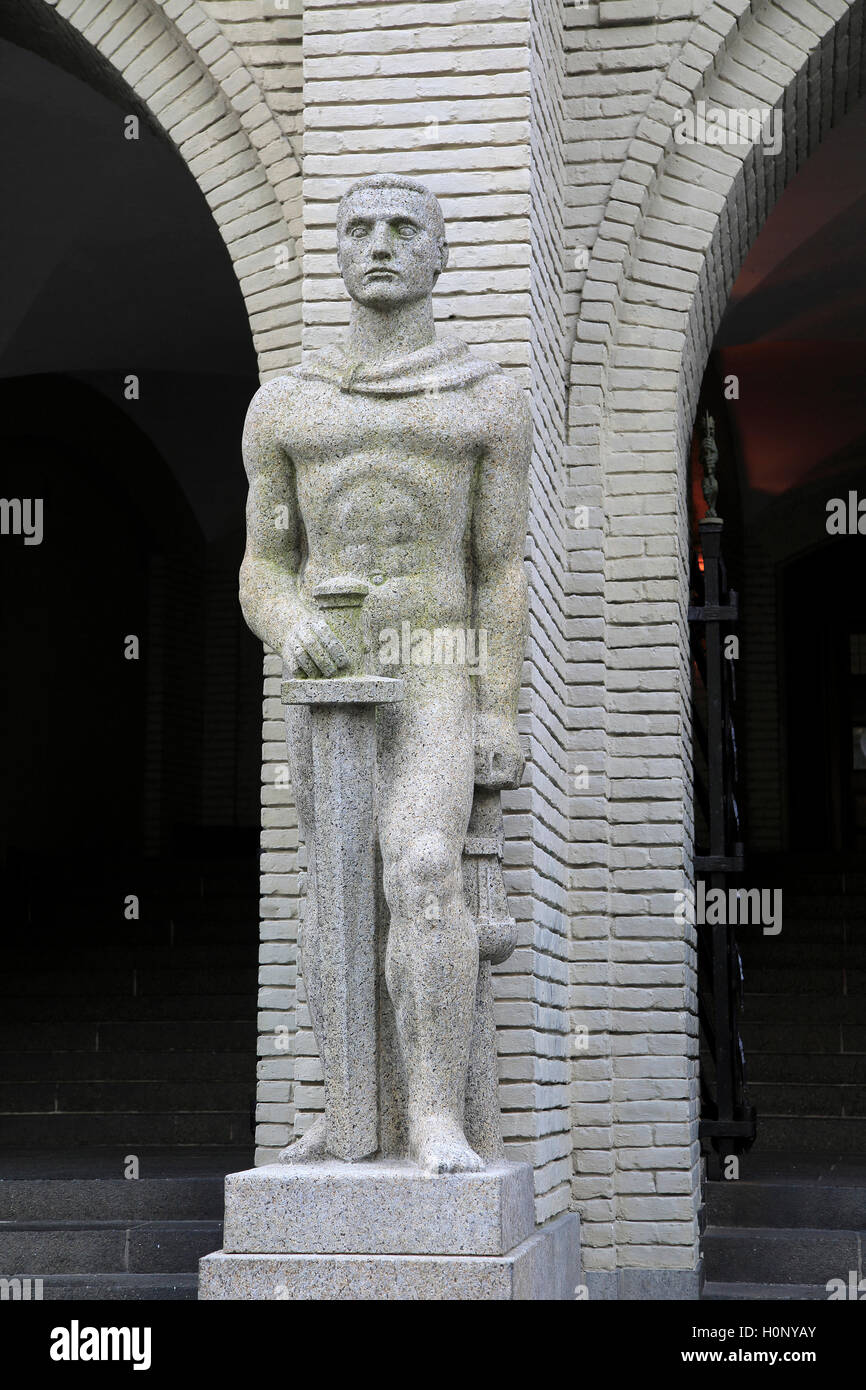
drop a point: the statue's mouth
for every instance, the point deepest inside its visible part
(380, 271)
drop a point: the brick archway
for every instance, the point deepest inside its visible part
(183, 69)
(679, 224)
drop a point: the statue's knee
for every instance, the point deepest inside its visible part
(424, 873)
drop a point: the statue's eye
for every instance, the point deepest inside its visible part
(406, 229)
(358, 230)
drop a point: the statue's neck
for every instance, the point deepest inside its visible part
(375, 335)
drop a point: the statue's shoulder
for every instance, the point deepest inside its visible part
(502, 396)
(275, 397)
(274, 392)
(277, 388)
(274, 408)
(500, 384)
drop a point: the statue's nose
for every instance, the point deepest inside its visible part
(380, 242)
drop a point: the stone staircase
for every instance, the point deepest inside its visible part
(786, 1228)
(126, 1040)
(796, 1217)
(88, 1235)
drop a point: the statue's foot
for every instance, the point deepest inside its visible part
(438, 1145)
(313, 1144)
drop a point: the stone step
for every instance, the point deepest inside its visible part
(111, 1162)
(792, 1099)
(765, 1255)
(233, 930)
(797, 1008)
(809, 982)
(129, 1097)
(822, 903)
(803, 1037)
(802, 929)
(736, 1293)
(136, 955)
(821, 944)
(60, 982)
(786, 1205)
(226, 980)
(849, 880)
(812, 1134)
(83, 893)
(35, 1067)
(169, 1036)
(48, 1037)
(807, 1067)
(224, 1036)
(35, 1249)
(107, 1008)
(178, 981)
(231, 933)
(106, 1199)
(120, 1288)
(134, 1131)
(798, 875)
(157, 897)
(108, 914)
(801, 955)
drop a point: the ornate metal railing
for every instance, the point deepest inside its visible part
(727, 1120)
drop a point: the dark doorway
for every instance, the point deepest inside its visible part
(824, 606)
(130, 690)
(790, 358)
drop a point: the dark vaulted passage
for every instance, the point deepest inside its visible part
(129, 698)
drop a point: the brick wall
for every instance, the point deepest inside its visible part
(533, 1026)
(267, 36)
(669, 227)
(592, 256)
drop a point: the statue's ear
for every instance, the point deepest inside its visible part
(443, 254)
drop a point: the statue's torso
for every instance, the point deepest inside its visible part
(384, 486)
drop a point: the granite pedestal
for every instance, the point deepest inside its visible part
(383, 1229)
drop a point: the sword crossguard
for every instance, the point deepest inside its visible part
(342, 592)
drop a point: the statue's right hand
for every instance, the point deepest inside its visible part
(311, 649)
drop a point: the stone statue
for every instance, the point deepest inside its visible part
(386, 521)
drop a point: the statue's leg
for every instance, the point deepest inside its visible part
(425, 797)
(313, 1144)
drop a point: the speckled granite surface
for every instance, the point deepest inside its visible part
(387, 1207)
(545, 1267)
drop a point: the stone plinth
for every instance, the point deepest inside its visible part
(383, 1207)
(385, 1230)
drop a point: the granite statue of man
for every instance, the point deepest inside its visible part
(401, 461)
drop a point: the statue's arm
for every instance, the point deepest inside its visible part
(270, 601)
(499, 522)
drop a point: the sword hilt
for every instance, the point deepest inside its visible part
(343, 599)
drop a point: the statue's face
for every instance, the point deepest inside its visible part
(388, 252)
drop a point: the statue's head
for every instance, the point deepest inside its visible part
(391, 246)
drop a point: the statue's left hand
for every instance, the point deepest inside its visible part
(499, 759)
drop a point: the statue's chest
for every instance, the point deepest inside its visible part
(341, 425)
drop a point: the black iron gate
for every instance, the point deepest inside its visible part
(727, 1120)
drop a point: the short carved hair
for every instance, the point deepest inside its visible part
(431, 202)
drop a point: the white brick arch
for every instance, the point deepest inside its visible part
(680, 221)
(186, 75)
(181, 66)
